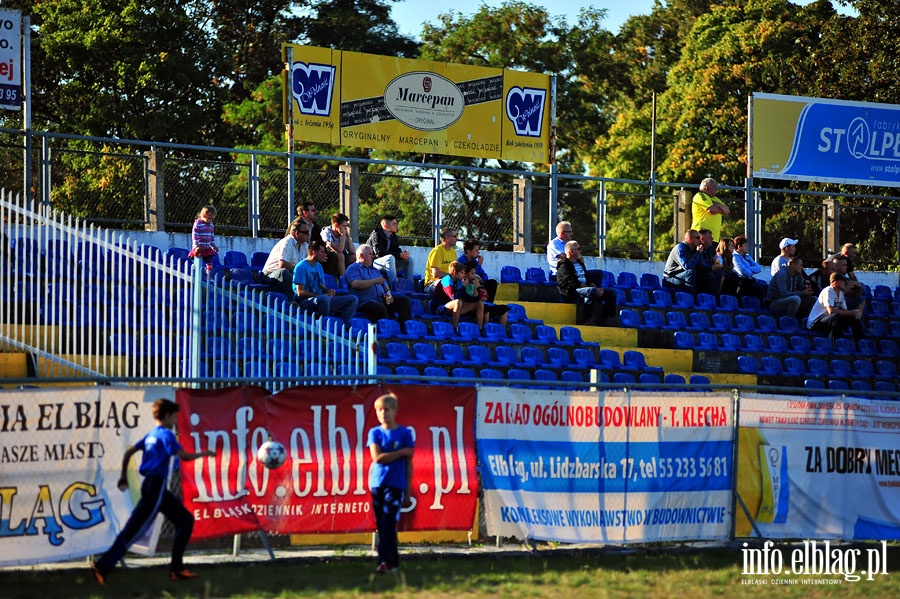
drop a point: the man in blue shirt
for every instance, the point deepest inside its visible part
(372, 292)
(472, 255)
(310, 289)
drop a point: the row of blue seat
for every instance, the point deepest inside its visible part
(512, 332)
(855, 385)
(837, 368)
(779, 344)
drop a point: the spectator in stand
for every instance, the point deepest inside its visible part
(284, 257)
(819, 279)
(681, 267)
(830, 313)
(203, 237)
(312, 294)
(788, 248)
(472, 255)
(390, 258)
(725, 257)
(746, 268)
(707, 209)
(337, 236)
(709, 270)
(307, 212)
(556, 249)
(372, 292)
(439, 259)
(789, 294)
(571, 280)
(474, 290)
(841, 263)
(446, 300)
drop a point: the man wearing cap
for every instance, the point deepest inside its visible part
(788, 293)
(830, 314)
(788, 248)
(707, 210)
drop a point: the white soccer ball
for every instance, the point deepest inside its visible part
(271, 454)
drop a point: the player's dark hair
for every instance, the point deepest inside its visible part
(164, 407)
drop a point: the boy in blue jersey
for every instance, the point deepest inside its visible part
(159, 446)
(390, 478)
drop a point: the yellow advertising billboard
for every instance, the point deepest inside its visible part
(405, 105)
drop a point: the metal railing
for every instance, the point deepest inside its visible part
(86, 301)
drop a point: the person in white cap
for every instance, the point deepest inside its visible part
(788, 248)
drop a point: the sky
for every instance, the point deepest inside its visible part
(410, 14)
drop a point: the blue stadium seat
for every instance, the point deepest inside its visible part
(511, 274)
(559, 357)
(225, 369)
(744, 323)
(638, 298)
(452, 353)
(882, 293)
(494, 331)
(388, 329)
(626, 280)
(885, 386)
(722, 322)
(441, 329)
(521, 333)
(684, 340)
(885, 370)
(408, 371)
(609, 360)
(684, 301)
(537, 276)
(518, 374)
(414, 330)
(543, 374)
(731, 342)
(754, 343)
(818, 368)
(462, 372)
(257, 369)
(653, 320)
(707, 301)
(841, 368)
(218, 347)
(699, 321)
(878, 309)
(491, 374)
(675, 321)
(258, 260)
(674, 379)
(766, 324)
(788, 324)
(729, 303)
(572, 336)
(435, 372)
(235, 259)
(661, 299)
(707, 341)
(867, 347)
(629, 318)
(425, 353)
(794, 367)
(517, 314)
(776, 344)
(799, 345)
(506, 355)
(878, 329)
(858, 385)
(813, 384)
(397, 353)
(699, 379)
(649, 378)
(838, 385)
(584, 357)
(748, 365)
(750, 304)
(844, 346)
(571, 376)
(480, 354)
(469, 331)
(888, 348)
(821, 346)
(770, 366)
(623, 378)
(545, 334)
(531, 357)
(649, 282)
(635, 360)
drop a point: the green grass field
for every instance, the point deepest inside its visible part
(658, 572)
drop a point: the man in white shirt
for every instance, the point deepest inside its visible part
(279, 267)
(830, 314)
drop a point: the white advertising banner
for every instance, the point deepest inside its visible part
(607, 468)
(60, 458)
(819, 468)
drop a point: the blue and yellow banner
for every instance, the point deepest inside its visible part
(405, 105)
(832, 141)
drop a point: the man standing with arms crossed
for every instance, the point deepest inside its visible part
(708, 210)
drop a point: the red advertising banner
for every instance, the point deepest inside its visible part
(323, 485)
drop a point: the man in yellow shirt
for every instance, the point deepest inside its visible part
(439, 259)
(708, 210)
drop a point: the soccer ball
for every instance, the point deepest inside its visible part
(271, 454)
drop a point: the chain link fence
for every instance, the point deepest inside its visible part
(112, 183)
